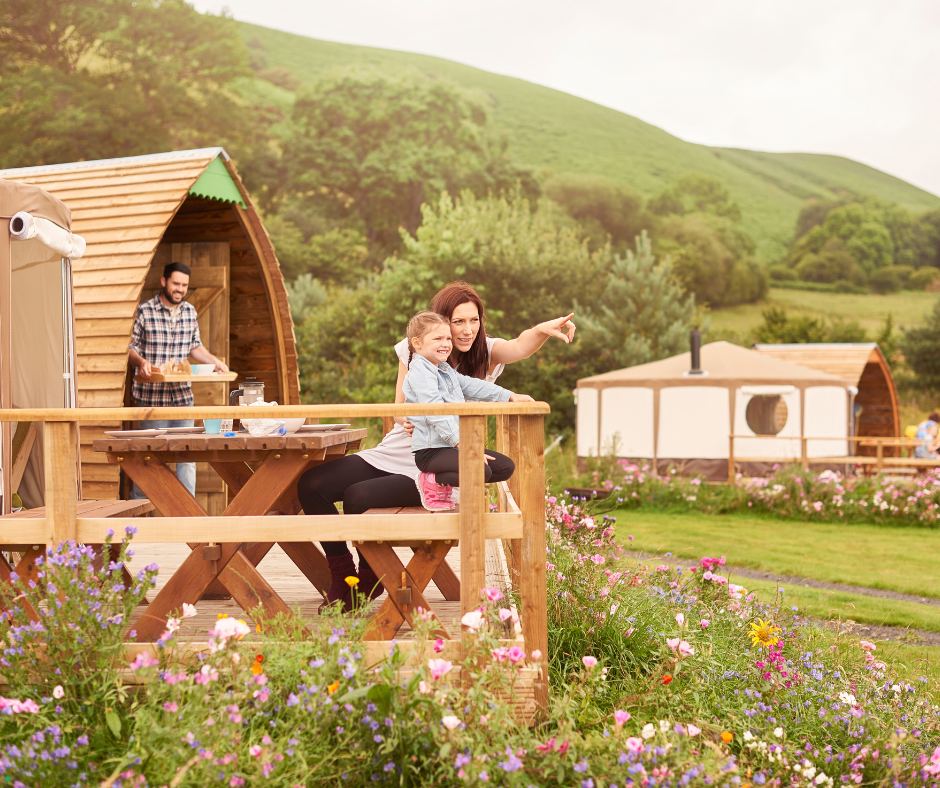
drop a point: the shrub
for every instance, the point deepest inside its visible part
(885, 280)
(922, 277)
(780, 273)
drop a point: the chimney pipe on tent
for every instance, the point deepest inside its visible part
(695, 341)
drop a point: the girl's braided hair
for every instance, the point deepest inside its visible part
(419, 325)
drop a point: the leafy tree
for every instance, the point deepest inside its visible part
(303, 294)
(921, 348)
(712, 258)
(642, 315)
(603, 208)
(373, 148)
(527, 269)
(337, 256)
(696, 193)
(102, 78)
(779, 327)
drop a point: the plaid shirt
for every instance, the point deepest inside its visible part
(158, 341)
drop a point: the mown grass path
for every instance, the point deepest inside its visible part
(854, 571)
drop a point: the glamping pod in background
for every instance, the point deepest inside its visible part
(663, 412)
(37, 338)
(137, 214)
(864, 366)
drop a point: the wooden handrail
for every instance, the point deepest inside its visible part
(275, 411)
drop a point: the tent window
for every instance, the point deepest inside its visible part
(766, 414)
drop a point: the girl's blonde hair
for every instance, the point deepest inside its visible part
(419, 325)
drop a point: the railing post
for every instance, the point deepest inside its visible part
(60, 439)
(804, 457)
(530, 468)
(473, 508)
(507, 442)
(731, 459)
(880, 454)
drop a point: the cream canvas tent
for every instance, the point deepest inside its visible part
(37, 337)
(660, 411)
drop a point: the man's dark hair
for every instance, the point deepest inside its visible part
(172, 268)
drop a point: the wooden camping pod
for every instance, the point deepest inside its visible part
(136, 214)
(864, 366)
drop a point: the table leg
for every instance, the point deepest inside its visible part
(425, 561)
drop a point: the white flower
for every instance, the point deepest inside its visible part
(189, 611)
(778, 732)
(663, 726)
(472, 620)
(820, 778)
(225, 629)
(648, 731)
(58, 693)
(450, 722)
(748, 736)
(847, 697)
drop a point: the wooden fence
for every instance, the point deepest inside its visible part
(519, 520)
(877, 462)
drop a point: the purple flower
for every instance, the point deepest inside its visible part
(581, 767)
(512, 763)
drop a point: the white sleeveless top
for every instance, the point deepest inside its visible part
(393, 454)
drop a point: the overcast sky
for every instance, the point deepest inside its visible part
(858, 78)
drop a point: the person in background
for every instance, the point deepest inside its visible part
(927, 431)
(166, 328)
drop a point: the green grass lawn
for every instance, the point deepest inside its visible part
(908, 308)
(896, 559)
(550, 129)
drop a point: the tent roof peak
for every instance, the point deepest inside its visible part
(196, 153)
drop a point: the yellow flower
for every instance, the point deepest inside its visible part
(221, 616)
(762, 633)
(726, 736)
(257, 668)
(352, 581)
(333, 687)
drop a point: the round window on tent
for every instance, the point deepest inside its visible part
(766, 414)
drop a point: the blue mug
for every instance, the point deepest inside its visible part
(212, 426)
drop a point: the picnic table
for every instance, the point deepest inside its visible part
(262, 474)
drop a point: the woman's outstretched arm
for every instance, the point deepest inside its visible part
(530, 340)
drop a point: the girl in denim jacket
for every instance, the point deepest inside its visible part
(435, 439)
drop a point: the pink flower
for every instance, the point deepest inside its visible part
(537, 655)
(439, 667)
(707, 575)
(226, 629)
(635, 744)
(504, 614)
(450, 722)
(705, 622)
(172, 624)
(680, 619)
(255, 750)
(693, 730)
(620, 717)
(589, 661)
(500, 654)
(143, 660)
(866, 646)
(438, 645)
(662, 568)
(424, 688)
(493, 594)
(598, 559)
(685, 650)
(515, 654)
(673, 643)
(171, 707)
(58, 693)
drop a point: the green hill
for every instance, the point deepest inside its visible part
(548, 128)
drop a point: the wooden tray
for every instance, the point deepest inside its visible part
(217, 377)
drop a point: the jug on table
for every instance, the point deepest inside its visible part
(252, 390)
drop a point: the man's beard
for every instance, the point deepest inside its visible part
(172, 298)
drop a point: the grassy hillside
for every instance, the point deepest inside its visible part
(548, 128)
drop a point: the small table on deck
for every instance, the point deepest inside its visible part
(271, 485)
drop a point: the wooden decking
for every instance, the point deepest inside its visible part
(297, 591)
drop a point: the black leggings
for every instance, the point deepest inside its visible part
(358, 485)
(445, 465)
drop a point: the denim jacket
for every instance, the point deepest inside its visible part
(427, 383)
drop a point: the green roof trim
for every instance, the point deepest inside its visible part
(215, 183)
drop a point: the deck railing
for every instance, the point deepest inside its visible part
(519, 520)
(877, 462)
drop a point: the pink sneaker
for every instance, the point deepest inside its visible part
(434, 497)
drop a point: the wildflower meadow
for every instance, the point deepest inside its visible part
(666, 675)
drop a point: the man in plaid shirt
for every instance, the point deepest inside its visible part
(165, 329)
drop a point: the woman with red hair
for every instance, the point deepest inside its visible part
(386, 476)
